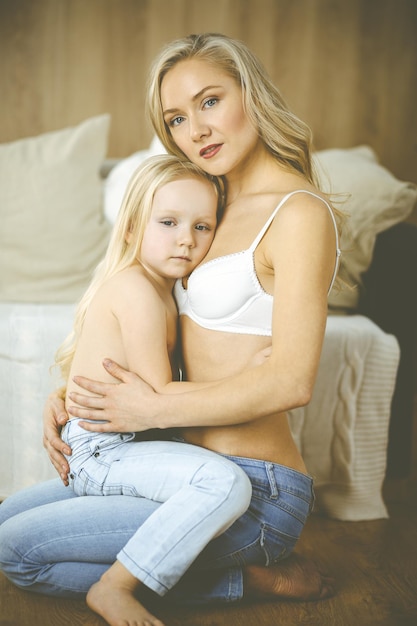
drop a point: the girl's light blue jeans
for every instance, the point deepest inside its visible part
(55, 543)
(202, 493)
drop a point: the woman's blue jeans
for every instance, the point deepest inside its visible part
(56, 543)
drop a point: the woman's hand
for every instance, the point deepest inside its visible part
(124, 406)
(54, 417)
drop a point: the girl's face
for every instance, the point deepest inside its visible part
(203, 109)
(181, 227)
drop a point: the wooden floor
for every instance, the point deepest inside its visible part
(374, 563)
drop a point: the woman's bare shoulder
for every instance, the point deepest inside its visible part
(307, 204)
(303, 222)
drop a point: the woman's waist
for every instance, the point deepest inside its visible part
(267, 439)
(238, 352)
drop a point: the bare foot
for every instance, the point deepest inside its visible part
(116, 603)
(296, 578)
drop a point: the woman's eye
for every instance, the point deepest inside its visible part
(176, 121)
(167, 222)
(210, 102)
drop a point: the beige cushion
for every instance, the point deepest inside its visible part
(374, 200)
(53, 232)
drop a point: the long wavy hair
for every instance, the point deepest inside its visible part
(287, 137)
(133, 217)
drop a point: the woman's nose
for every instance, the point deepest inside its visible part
(198, 130)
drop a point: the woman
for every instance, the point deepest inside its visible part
(263, 284)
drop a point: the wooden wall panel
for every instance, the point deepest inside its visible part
(349, 68)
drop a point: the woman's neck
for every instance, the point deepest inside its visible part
(259, 173)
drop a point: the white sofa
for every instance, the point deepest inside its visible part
(342, 433)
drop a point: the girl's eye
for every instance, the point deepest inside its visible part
(167, 222)
(202, 227)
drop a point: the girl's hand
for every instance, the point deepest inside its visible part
(124, 406)
(54, 417)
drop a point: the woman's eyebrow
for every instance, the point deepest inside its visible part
(193, 99)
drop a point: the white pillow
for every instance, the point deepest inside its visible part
(53, 231)
(373, 198)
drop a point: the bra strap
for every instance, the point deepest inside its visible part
(269, 222)
(275, 211)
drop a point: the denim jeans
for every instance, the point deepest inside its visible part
(56, 543)
(201, 490)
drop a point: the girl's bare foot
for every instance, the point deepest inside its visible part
(113, 597)
(296, 578)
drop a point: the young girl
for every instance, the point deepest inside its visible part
(165, 227)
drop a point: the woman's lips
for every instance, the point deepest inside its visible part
(210, 151)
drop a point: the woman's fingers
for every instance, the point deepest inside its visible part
(118, 405)
(94, 386)
(100, 388)
(88, 402)
(117, 370)
(55, 448)
(55, 417)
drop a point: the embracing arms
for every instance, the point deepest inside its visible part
(302, 258)
(300, 251)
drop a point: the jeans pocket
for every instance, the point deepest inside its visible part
(276, 545)
(313, 500)
(104, 442)
(83, 485)
(267, 546)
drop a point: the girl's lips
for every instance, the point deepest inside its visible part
(210, 151)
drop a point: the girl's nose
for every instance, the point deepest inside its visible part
(187, 238)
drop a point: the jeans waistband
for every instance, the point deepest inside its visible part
(274, 472)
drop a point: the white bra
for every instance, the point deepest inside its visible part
(225, 293)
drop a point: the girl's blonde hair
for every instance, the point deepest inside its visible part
(133, 217)
(288, 138)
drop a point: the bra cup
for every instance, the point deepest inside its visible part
(225, 294)
(220, 290)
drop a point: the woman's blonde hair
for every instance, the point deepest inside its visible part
(133, 217)
(288, 138)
